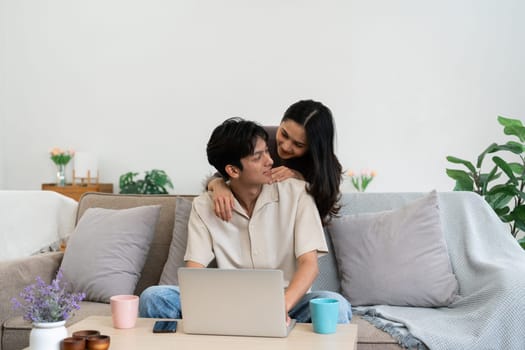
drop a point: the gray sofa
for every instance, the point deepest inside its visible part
(16, 274)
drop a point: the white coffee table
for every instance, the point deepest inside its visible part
(141, 337)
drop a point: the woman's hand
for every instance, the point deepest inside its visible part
(282, 173)
(222, 198)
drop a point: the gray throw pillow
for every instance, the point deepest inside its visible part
(396, 257)
(107, 251)
(178, 242)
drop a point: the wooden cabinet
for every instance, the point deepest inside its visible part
(75, 191)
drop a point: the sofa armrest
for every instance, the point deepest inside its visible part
(18, 273)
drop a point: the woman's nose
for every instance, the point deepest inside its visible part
(286, 146)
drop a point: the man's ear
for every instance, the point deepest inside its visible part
(232, 171)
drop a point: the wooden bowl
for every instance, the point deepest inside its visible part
(85, 333)
(97, 342)
(73, 343)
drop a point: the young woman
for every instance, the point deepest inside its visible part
(301, 147)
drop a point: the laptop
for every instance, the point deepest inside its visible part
(243, 302)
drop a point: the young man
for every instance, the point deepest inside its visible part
(274, 226)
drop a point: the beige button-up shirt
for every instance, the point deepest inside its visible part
(284, 225)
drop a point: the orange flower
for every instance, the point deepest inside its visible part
(61, 157)
(361, 181)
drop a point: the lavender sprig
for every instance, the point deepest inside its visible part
(48, 303)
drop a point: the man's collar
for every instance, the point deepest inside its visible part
(268, 194)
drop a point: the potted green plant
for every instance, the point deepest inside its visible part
(506, 196)
(154, 182)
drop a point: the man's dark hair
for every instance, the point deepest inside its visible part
(234, 139)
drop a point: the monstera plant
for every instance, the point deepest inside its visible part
(506, 195)
(154, 182)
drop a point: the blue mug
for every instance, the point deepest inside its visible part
(324, 312)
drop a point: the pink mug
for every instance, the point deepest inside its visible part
(124, 310)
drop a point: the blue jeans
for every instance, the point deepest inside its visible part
(164, 302)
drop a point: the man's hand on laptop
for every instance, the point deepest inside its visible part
(194, 264)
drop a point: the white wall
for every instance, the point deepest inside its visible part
(427, 79)
(3, 83)
(142, 83)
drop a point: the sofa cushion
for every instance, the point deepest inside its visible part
(178, 242)
(371, 338)
(395, 257)
(107, 251)
(162, 238)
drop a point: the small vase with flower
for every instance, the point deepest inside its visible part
(47, 306)
(61, 158)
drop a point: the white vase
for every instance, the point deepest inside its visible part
(47, 335)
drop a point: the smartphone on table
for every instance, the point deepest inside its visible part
(165, 327)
